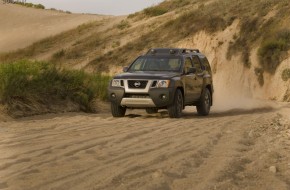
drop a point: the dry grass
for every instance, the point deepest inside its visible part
(24, 82)
(286, 74)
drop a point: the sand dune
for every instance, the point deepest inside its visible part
(21, 26)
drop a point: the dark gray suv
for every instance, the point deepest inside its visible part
(164, 78)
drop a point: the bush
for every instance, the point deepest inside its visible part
(123, 25)
(154, 11)
(59, 54)
(242, 43)
(23, 81)
(28, 5)
(274, 51)
(286, 74)
(39, 6)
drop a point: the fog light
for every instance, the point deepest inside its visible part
(113, 95)
(163, 97)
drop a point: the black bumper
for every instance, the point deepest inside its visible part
(116, 94)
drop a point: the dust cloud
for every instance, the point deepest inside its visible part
(237, 97)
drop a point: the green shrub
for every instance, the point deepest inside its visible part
(242, 43)
(274, 51)
(123, 25)
(59, 54)
(154, 11)
(28, 5)
(270, 53)
(44, 83)
(39, 6)
(286, 74)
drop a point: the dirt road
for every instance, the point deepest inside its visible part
(237, 149)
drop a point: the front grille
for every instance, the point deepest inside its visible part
(137, 84)
(137, 96)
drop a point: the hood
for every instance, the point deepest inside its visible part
(147, 75)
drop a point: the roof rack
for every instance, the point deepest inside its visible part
(190, 51)
(154, 51)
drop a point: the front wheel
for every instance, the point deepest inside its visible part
(204, 104)
(117, 110)
(175, 110)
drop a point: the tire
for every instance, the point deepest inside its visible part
(203, 107)
(117, 111)
(175, 110)
(151, 110)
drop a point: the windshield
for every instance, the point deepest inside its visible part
(155, 63)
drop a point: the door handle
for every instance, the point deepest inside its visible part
(200, 74)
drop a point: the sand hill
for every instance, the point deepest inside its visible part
(22, 26)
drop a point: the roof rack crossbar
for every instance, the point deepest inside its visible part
(190, 50)
(171, 51)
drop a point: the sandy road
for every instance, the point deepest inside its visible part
(227, 150)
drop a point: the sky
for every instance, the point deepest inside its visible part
(107, 7)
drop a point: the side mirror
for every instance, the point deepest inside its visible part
(191, 70)
(125, 69)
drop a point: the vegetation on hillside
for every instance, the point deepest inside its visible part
(274, 50)
(37, 6)
(41, 83)
(286, 74)
(211, 17)
(271, 34)
(256, 28)
(162, 8)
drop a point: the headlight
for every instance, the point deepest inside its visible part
(116, 83)
(163, 83)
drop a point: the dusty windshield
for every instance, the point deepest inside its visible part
(171, 64)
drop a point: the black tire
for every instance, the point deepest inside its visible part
(175, 110)
(151, 110)
(117, 110)
(203, 107)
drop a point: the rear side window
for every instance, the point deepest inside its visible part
(187, 64)
(206, 64)
(196, 63)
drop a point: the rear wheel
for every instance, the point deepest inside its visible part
(203, 107)
(117, 110)
(175, 110)
(151, 110)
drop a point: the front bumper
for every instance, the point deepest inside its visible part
(154, 98)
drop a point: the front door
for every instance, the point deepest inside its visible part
(189, 81)
(198, 84)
